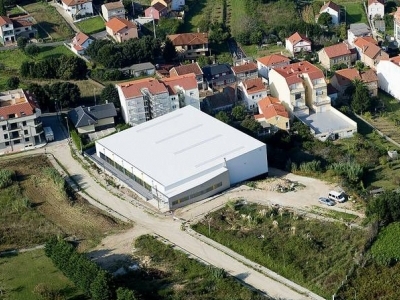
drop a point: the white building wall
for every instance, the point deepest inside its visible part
(388, 78)
(248, 165)
(376, 9)
(192, 97)
(280, 89)
(80, 9)
(334, 14)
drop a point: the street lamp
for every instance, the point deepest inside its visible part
(66, 120)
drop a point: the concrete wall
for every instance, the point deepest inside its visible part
(248, 165)
(388, 78)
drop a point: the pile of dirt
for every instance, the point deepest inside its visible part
(281, 185)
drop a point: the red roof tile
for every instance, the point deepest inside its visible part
(75, 2)
(370, 2)
(331, 5)
(292, 72)
(187, 82)
(345, 76)
(337, 50)
(188, 39)
(133, 88)
(114, 5)
(80, 38)
(244, 68)
(297, 37)
(253, 85)
(273, 59)
(5, 20)
(272, 107)
(186, 69)
(117, 24)
(159, 6)
(395, 60)
(20, 105)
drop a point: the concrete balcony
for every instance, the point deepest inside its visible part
(322, 101)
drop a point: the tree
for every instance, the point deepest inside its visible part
(13, 82)
(169, 51)
(251, 125)
(21, 42)
(203, 61)
(125, 294)
(385, 207)
(222, 116)
(239, 112)
(100, 288)
(71, 67)
(325, 19)
(219, 33)
(66, 93)
(308, 14)
(32, 50)
(110, 94)
(41, 95)
(3, 11)
(26, 68)
(361, 101)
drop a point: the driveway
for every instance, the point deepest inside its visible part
(102, 35)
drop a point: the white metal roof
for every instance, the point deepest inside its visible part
(180, 145)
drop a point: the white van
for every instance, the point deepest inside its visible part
(337, 196)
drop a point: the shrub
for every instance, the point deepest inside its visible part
(6, 178)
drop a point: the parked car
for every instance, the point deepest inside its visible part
(337, 196)
(326, 201)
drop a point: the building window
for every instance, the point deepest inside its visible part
(7, 143)
(4, 127)
(297, 96)
(24, 123)
(17, 142)
(6, 136)
(26, 139)
(26, 131)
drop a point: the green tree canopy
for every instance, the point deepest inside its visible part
(169, 51)
(385, 207)
(13, 82)
(110, 94)
(325, 19)
(222, 116)
(361, 100)
(21, 42)
(239, 112)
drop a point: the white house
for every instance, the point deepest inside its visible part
(113, 9)
(78, 8)
(252, 91)
(80, 42)
(267, 63)
(333, 9)
(376, 8)
(146, 99)
(170, 4)
(388, 76)
(297, 43)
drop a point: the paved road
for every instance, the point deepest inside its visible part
(235, 49)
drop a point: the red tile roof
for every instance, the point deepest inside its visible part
(293, 72)
(75, 2)
(337, 50)
(80, 38)
(272, 107)
(396, 15)
(273, 59)
(345, 76)
(247, 67)
(395, 60)
(21, 22)
(364, 41)
(369, 49)
(114, 5)
(186, 69)
(370, 2)
(297, 37)
(117, 24)
(254, 85)
(188, 39)
(21, 105)
(133, 88)
(159, 7)
(187, 82)
(331, 5)
(5, 20)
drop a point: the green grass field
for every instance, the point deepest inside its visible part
(235, 14)
(92, 25)
(50, 20)
(22, 273)
(355, 12)
(256, 52)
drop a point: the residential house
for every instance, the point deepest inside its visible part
(188, 69)
(77, 9)
(376, 8)
(332, 93)
(93, 118)
(12, 28)
(342, 79)
(218, 75)
(6, 30)
(252, 91)
(336, 55)
(266, 63)
(121, 30)
(220, 101)
(80, 43)
(137, 70)
(245, 71)
(297, 43)
(272, 113)
(170, 4)
(388, 76)
(333, 9)
(146, 99)
(368, 52)
(113, 9)
(303, 90)
(357, 30)
(396, 20)
(156, 12)
(20, 121)
(190, 45)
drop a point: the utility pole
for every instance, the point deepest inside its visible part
(154, 26)
(94, 95)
